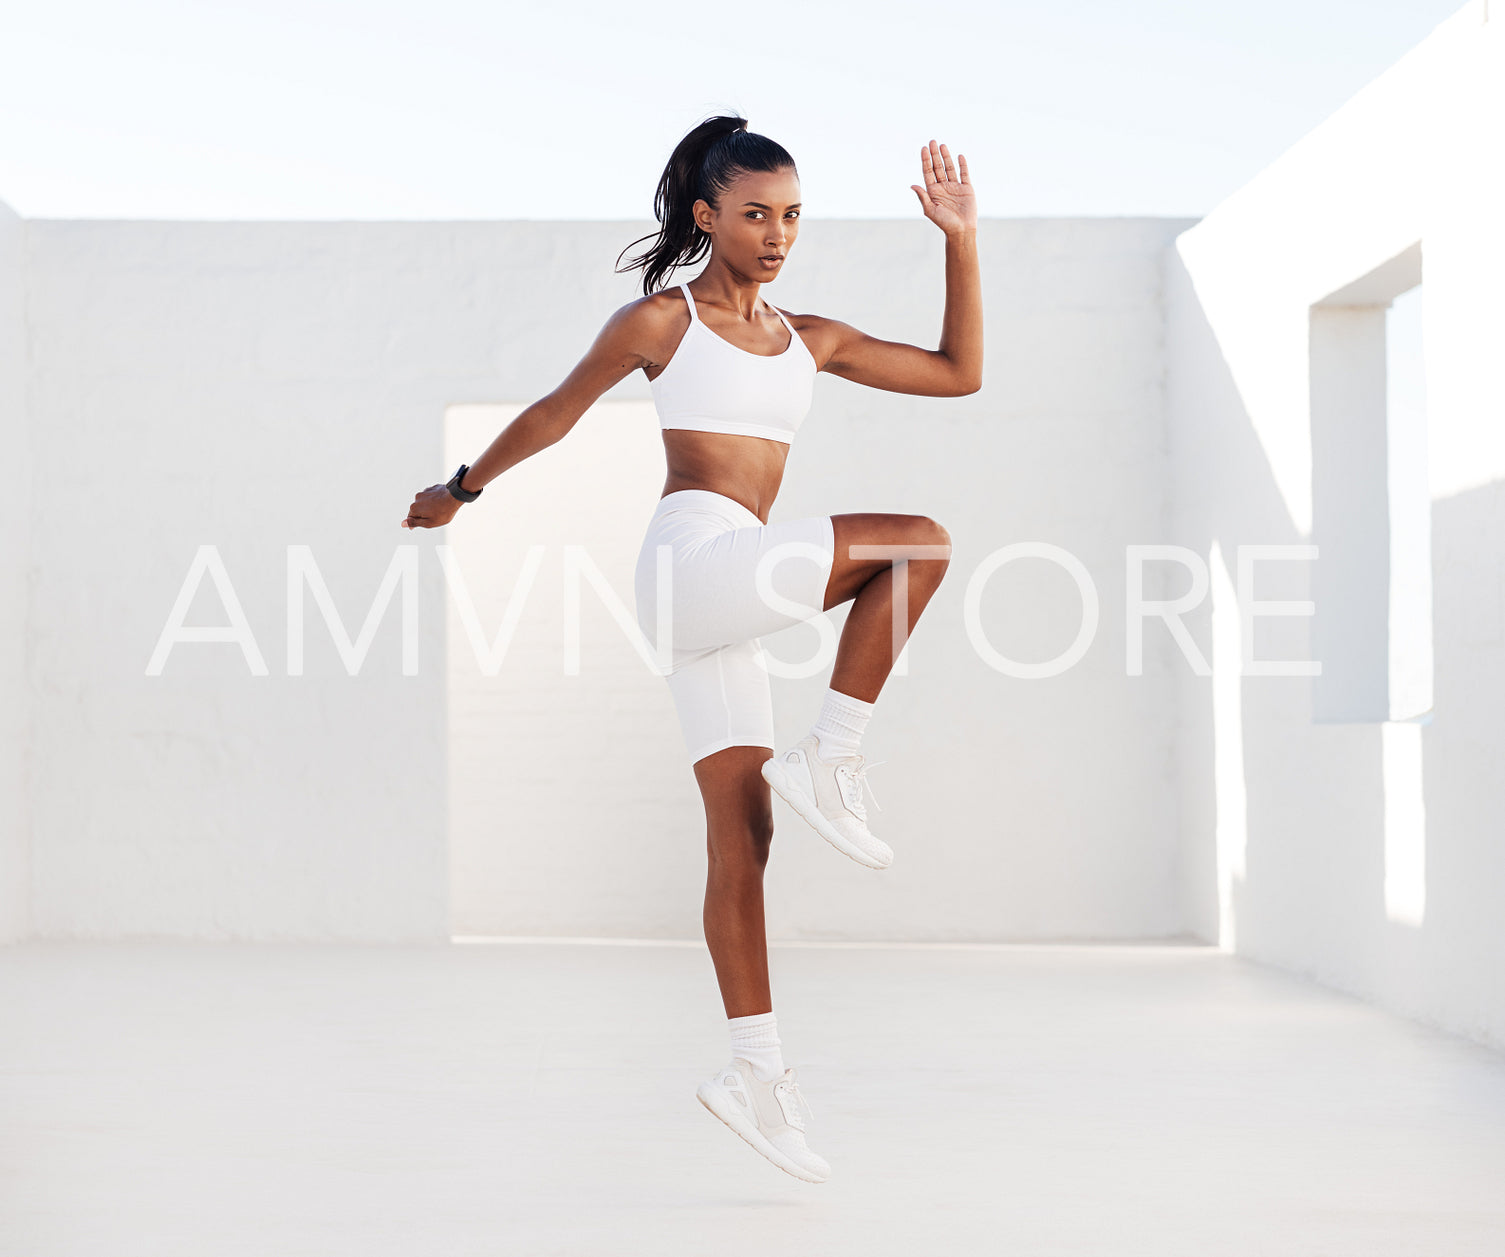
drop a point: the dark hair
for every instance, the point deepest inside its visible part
(701, 168)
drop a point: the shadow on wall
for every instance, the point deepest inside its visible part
(1242, 763)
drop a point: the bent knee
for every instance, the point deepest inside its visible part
(934, 533)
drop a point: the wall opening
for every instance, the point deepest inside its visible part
(1372, 523)
(1371, 504)
(547, 768)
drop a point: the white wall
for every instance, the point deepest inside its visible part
(255, 386)
(1289, 818)
(15, 530)
(1019, 809)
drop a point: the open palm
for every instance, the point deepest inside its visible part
(947, 197)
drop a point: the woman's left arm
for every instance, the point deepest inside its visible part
(955, 368)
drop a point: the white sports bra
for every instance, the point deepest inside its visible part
(710, 385)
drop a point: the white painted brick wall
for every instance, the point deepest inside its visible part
(15, 533)
(257, 385)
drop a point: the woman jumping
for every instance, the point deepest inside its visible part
(732, 379)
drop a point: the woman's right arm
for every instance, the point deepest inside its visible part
(616, 352)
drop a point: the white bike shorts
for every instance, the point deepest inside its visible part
(728, 578)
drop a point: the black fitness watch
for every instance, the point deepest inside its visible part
(465, 495)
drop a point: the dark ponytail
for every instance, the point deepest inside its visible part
(701, 168)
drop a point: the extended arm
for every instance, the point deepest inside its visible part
(610, 358)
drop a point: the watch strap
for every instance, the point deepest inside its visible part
(465, 495)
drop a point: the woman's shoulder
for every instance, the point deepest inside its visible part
(648, 327)
(655, 312)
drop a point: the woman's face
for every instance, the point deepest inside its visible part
(755, 227)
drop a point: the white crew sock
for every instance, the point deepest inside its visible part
(838, 728)
(756, 1040)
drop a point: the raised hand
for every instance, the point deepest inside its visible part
(947, 197)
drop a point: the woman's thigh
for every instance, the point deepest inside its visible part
(746, 582)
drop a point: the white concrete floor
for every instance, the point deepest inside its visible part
(165, 1099)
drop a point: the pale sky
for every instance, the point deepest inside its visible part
(446, 109)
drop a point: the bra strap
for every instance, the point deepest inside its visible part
(690, 301)
(780, 313)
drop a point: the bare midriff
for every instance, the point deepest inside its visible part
(747, 469)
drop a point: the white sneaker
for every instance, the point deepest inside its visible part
(828, 794)
(769, 1115)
